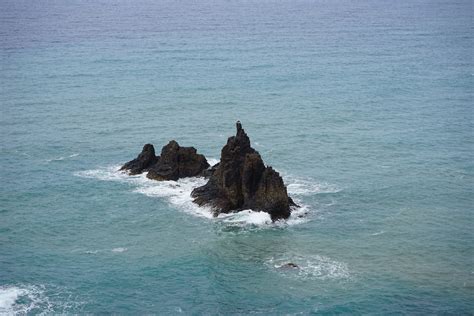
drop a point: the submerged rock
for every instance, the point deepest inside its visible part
(242, 181)
(175, 162)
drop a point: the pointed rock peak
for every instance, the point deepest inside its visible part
(242, 181)
(240, 131)
(240, 140)
(144, 160)
(148, 148)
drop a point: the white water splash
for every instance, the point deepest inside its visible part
(8, 298)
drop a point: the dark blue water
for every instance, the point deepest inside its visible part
(365, 107)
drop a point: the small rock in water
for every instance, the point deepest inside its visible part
(290, 265)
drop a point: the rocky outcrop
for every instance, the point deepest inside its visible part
(174, 162)
(178, 162)
(242, 181)
(144, 160)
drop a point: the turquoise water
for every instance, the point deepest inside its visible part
(365, 107)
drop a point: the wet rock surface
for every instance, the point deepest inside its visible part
(242, 181)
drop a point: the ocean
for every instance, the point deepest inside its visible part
(364, 107)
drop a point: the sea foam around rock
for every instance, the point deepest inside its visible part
(178, 194)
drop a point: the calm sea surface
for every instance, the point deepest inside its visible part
(365, 108)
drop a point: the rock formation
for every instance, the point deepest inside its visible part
(175, 162)
(144, 160)
(242, 181)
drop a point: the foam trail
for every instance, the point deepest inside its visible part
(178, 194)
(309, 267)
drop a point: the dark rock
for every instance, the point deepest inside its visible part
(290, 265)
(242, 181)
(210, 171)
(175, 162)
(144, 160)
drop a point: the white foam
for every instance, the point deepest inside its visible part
(119, 249)
(178, 194)
(246, 217)
(26, 299)
(8, 298)
(309, 267)
(16, 300)
(110, 173)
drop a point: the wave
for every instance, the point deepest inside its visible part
(99, 251)
(309, 267)
(119, 249)
(62, 158)
(32, 299)
(377, 233)
(303, 187)
(178, 194)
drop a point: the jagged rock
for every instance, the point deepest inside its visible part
(175, 162)
(242, 181)
(144, 160)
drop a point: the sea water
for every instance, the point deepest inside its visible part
(364, 107)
